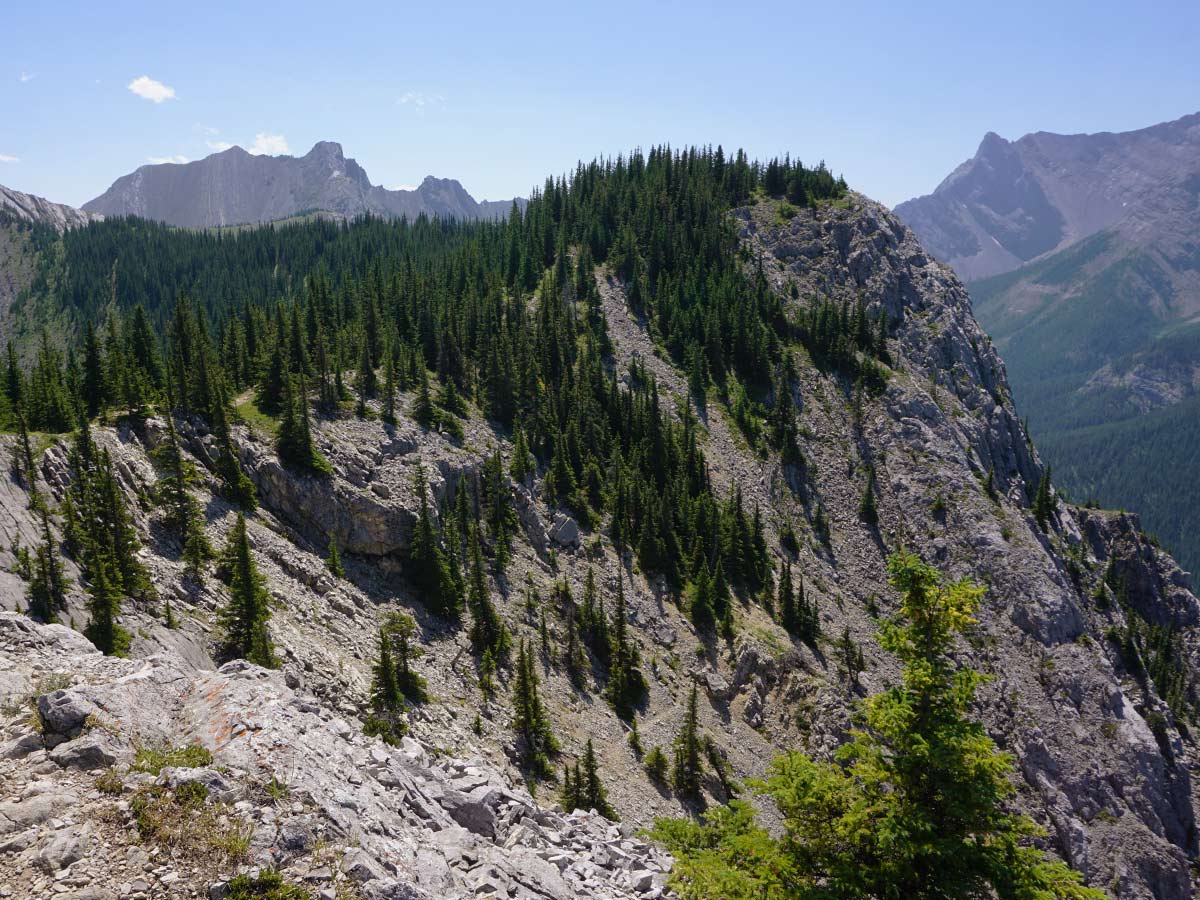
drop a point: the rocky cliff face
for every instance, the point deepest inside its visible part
(234, 187)
(28, 208)
(1105, 763)
(1091, 244)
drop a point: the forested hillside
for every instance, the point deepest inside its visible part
(610, 498)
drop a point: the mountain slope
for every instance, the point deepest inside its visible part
(1094, 291)
(234, 187)
(27, 226)
(31, 209)
(1105, 760)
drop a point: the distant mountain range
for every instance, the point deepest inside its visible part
(1083, 257)
(28, 208)
(237, 188)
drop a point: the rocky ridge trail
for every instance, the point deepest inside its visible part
(310, 795)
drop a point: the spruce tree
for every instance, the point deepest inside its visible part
(47, 592)
(104, 606)
(1045, 504)
(688, 763)
(573, 656)
(917, 804)
(702, 607)
(626, 684)
(430, 569)
(183, 514)
(333, 561)
(423, 412)
(294, 443)
(389, 391)
(867, 510)
(591, 794)
(536, 740)
(385, 687)
(487, 630)
(244, 618)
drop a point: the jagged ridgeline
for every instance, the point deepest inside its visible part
(600, 496)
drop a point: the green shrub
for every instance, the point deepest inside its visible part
(656, 764)
(268, 885)
(193, 756)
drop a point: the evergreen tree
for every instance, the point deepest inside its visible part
(867, 510)
(918, 803)
(487, 630)
(47, 592)
(385, 687)
(626, 684)
(333, 561)
(400, 629)
(656, 765)
(95, 388)
(244, 618)
(104, 606)
(1045, 503)
(688, 763)
(423, 412)
(389, 390)
(294, 444)
(574, 658)
(183, 514)
(536, 740)
(702, 606)
(570, 794)
(429, 566)
(522, 465)
(592, 794)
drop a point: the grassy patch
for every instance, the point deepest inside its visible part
(258, 420)
(185, 824)
(268, 885)
(151, 761)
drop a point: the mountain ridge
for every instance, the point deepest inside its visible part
(1016, 201)
(235, 187)
(917, 418)
(1092, 294)
(33, 209)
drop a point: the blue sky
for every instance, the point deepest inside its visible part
(893, 95)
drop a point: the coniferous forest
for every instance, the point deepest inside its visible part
(320, 320)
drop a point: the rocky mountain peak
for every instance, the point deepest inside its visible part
(235, 187)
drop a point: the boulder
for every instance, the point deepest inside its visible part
(64, 713)
(68, 845)
(565, 531)
(474, 811)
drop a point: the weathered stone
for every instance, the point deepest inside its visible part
(68, 845)
(565, 531)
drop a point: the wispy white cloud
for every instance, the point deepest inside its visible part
(403, 187)
(268, 145)
(149, 89)
(159, 160)
(420, 101)
(218, 146)
(26, 76)
(4, 157)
